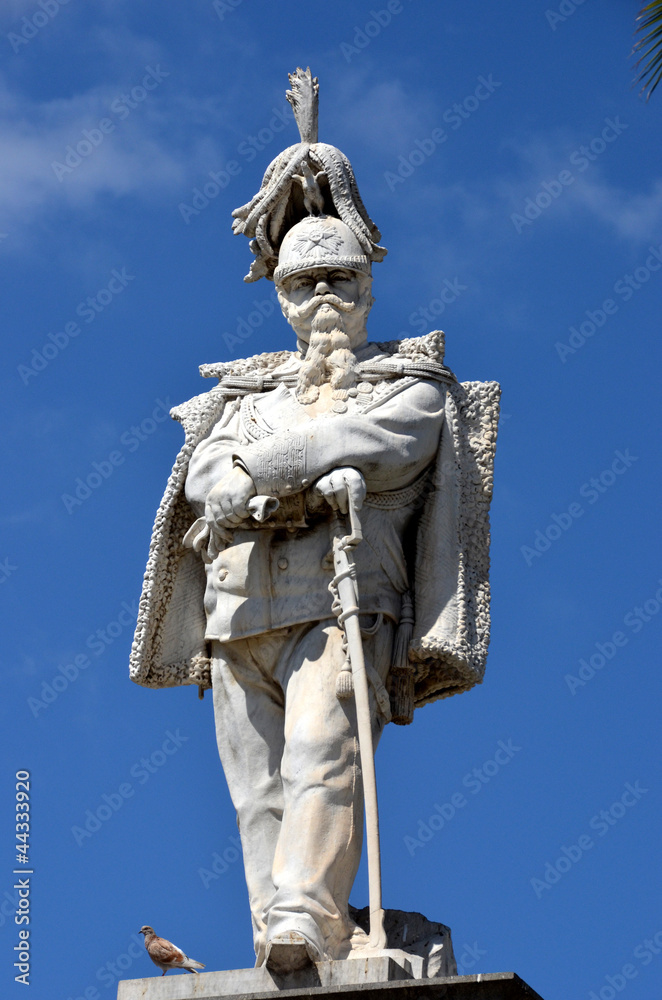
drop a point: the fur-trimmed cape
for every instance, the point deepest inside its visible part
(451, 585)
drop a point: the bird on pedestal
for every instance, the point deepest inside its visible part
(167, 955)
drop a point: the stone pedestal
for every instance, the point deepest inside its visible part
(387, 977)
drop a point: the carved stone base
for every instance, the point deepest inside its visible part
(418, 960)
(380, 978)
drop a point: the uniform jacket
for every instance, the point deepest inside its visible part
(425, 445)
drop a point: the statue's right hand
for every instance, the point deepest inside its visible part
(227, 502)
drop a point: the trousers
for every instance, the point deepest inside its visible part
(290, 753)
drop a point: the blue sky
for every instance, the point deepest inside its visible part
(514, 173)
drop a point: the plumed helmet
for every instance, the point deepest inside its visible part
(306, 183)
(320, 241)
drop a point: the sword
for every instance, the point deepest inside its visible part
(344, 585)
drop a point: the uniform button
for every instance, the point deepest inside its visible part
(222, 573)
(283, 563)
(339, 406)
(365, 387)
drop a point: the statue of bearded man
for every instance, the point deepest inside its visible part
(236, 594)
(287, 741)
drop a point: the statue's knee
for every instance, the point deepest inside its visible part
(313, 758)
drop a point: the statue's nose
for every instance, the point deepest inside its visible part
(322, 287)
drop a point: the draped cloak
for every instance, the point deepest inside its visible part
(451, 565)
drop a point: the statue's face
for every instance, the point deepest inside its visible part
(322, 281)
(327, 289)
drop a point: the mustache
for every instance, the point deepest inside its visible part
(305, 310)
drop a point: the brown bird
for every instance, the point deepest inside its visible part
(167, 955)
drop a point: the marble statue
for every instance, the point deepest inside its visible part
(240, 593)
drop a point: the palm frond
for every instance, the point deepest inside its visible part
(649, 46)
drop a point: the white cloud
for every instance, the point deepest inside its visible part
(151, 151)
(381, 116)
(634, 215)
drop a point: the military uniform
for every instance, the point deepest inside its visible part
(277, 650)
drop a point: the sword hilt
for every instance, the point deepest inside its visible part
(355, 532)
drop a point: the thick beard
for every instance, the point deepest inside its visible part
(329, 357)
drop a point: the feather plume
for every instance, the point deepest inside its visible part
(304, 98)
(309, 178)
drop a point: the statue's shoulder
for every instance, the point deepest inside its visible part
(256, 365)
(425, 356)
(196, 414)
(412, 357)
(430, 347)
